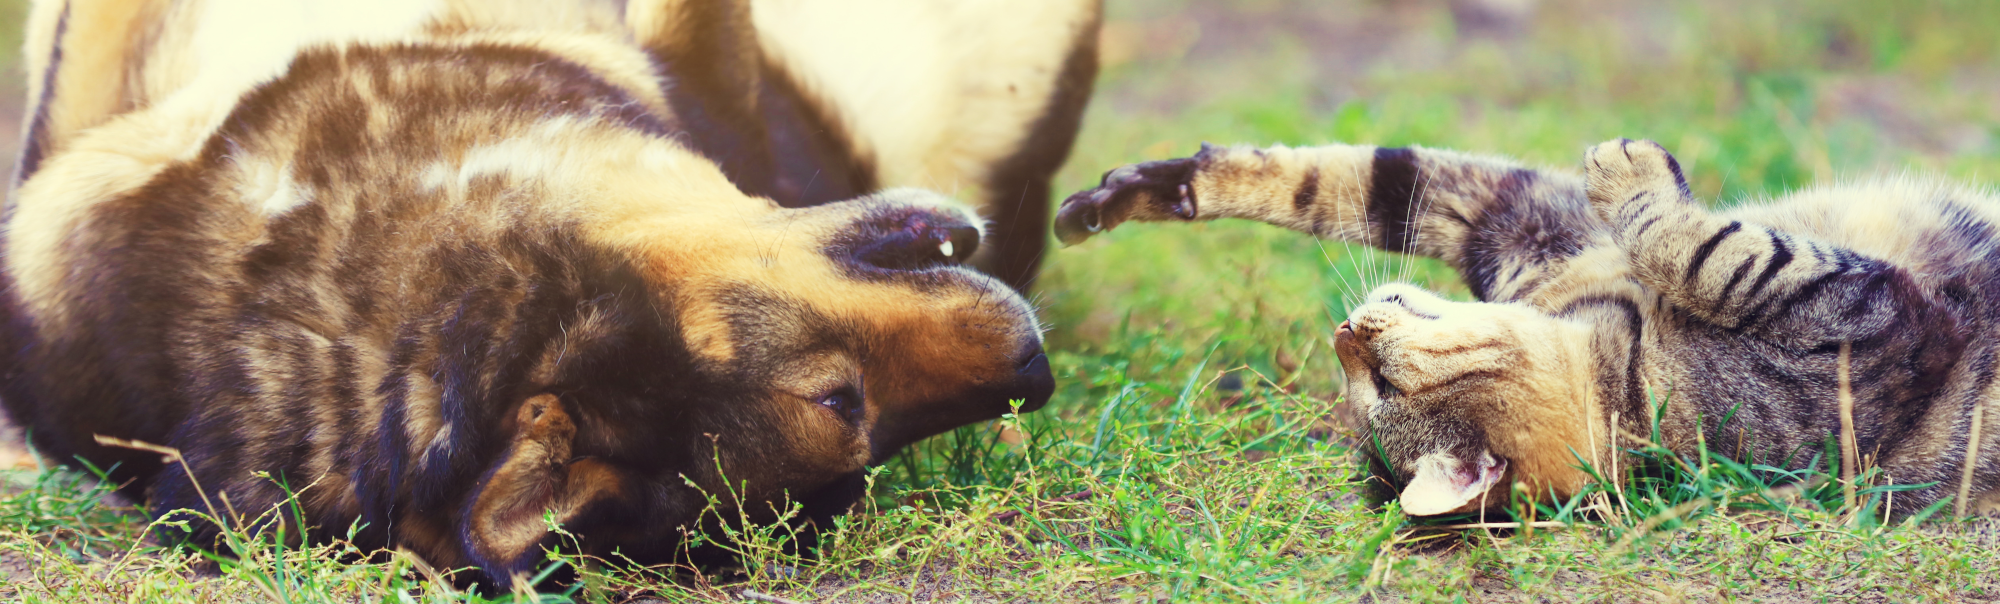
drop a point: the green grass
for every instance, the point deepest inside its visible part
(1196, 450)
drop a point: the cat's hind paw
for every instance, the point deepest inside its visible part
(1624, 174)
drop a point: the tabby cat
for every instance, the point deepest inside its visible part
(1602, 296)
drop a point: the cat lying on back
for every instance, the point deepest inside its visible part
(1600, 294)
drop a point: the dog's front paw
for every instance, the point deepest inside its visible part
(1156, 190)
(1624, 171)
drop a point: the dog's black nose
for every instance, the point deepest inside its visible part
(1034, 383)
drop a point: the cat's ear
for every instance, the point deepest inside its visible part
(504, 526)
(1443, 482)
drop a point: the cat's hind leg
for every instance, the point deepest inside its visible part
(1746, 277)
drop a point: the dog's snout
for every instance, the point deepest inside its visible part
(1027, 378)
(1034, 382)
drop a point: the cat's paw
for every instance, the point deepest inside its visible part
(1156, 190)
(1625, 172)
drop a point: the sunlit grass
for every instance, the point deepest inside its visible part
(1195, 449)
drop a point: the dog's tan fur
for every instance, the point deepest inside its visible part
(454, 264)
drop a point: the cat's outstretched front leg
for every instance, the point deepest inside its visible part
(1505, 227)
(1319, 190)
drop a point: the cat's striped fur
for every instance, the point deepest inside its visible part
(440, 267)
(1600, 294)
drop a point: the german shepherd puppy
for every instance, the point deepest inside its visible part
(440, 268)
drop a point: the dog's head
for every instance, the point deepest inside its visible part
(775, 354)
(858, 323)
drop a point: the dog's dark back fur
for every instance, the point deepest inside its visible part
(436, 288)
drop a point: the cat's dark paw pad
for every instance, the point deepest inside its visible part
(1155, 190)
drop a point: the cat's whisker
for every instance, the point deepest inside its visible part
(1346, 287)
(1367, 251)
(1415, 200)
(1414, 228)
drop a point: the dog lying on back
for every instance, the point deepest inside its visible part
(1601, 294)
(440, 268)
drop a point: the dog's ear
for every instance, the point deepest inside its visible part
(503, 528)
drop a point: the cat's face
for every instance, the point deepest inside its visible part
(1465, 399)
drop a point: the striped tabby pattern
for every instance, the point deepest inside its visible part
(1598, 295)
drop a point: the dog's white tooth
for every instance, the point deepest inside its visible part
(945, 248)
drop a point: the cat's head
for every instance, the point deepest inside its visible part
(1465, 399)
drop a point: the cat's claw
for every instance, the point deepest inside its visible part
(1158, 190)
(1624, 171)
